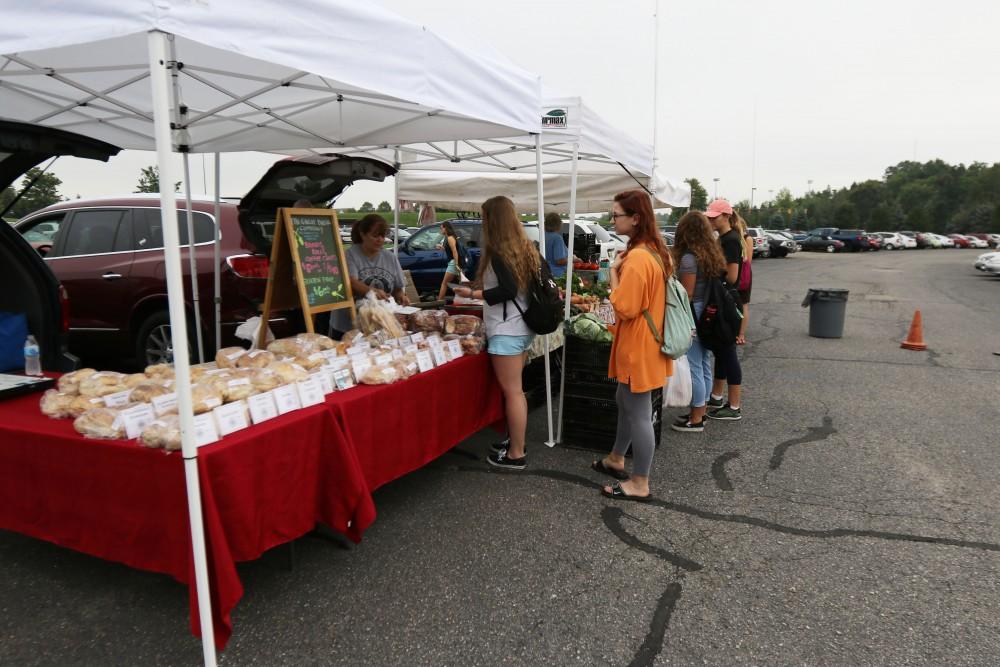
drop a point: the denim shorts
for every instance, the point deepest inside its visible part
(509, 346)
(452, 268)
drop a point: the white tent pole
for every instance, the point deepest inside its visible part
(656, 92)
(217, 254)
(569, 278)
(192, 263)
(541, 246)
(157, 42)
(395, 206)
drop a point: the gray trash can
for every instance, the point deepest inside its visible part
(827, 308)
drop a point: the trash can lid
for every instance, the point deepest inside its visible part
(824, 294)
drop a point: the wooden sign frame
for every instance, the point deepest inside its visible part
(286, 286)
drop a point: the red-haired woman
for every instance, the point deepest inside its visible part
(638, 285)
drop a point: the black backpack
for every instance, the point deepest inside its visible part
(544, 313)
(719, 323)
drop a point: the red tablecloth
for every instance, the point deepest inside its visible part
(260, 487)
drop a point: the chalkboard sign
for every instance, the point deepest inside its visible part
(308, 267)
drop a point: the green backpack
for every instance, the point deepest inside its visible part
(678, 322)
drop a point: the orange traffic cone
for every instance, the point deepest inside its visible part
(915, 341)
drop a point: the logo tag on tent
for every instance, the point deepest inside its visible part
(556, 119)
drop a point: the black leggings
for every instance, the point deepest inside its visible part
(727, 366)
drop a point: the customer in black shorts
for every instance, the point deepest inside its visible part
(727, 362)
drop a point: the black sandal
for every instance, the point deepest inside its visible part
(598, 466)
(618, 493)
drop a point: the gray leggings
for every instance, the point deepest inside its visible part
(635, 427)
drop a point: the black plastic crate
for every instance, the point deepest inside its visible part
(581, 436)
(585, 356)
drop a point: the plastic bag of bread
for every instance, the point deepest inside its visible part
(102, 384)
(264, 379)
(70, 383)
(81, 404)
(373, 315)
(352, 337)
(147, 391)
(163, 433)
(256, 359)
(205, 397)
(238, 387)
(160, 371)
(407, 366)
(472, 344)
(228, 356)
(429, 320)
(310, 361)
(464, 325)
(292, 347)
(56, 404)
(380, 375)
(403, 319)
(100, 423)
(318, 341)
(289, 372)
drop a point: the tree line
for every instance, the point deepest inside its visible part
(920, 196)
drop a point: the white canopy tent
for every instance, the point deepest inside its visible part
(235, 75)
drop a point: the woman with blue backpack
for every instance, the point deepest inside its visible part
(698, 257)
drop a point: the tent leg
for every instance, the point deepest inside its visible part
(569, 277)
(157, 42)
(217, 252)
(541, 246)
(395, 207)
(192, 262)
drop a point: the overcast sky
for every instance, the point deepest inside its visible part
(840, 90)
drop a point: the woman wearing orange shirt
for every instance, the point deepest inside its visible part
(638, 283)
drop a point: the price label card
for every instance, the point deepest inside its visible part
(165, 404)
(310, 393)
(455, 349)
(135, 419)
(383, 360)
(392, 342)
(397, 354)
(410, 349)
(417, 337)
(325, 381)
(339, 363)
(342, 378)
(231, 417)
(262, 407)
(118, 399)
(360, 367)
(356, 350)
(287, 399)
(238, 382)
(440, 356)
(205, 431)
(329, 355)
(424, 361)
(404, 341)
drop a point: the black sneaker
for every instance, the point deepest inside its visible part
(688, 427)
(501, 460)
(714, 402)
(683, 419)
(726, 413)
(505, 444)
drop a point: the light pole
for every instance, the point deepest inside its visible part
(715, 192)
(809, 183)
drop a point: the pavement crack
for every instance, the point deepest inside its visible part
(719, 470)
(658, 626)
(612, 517)
(814, 434)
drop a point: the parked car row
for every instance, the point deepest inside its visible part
(988, 262)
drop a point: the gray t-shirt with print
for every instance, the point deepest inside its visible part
(379, 272)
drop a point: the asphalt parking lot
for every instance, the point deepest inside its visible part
(849, 519)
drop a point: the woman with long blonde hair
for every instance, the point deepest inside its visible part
(508, 262)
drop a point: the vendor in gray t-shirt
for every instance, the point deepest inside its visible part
(371, 268)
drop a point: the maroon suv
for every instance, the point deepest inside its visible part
(108, 255)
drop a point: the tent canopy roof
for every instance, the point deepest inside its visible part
(255, 75)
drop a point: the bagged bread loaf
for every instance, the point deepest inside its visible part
(102, 384)
(147, 391)
(310, 361)
(380, 375)
(403, 319)
(163, 433)
(373, 316)
(428, 321)
(70, 383)
(289, 372)
(100, 423)
(227, 357)
(292, 347)
(133, 380)
(238, 386)
(205, 397)
(472, 344)
(56, 404)
(256, 359)
(318, 341)
(81, 404)
(160, 371)
(463, 325)
(352, 337)
(264, 379)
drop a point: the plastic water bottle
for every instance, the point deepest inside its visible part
(32, 357)
(604, 271)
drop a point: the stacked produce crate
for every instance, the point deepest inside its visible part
(590, 414)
